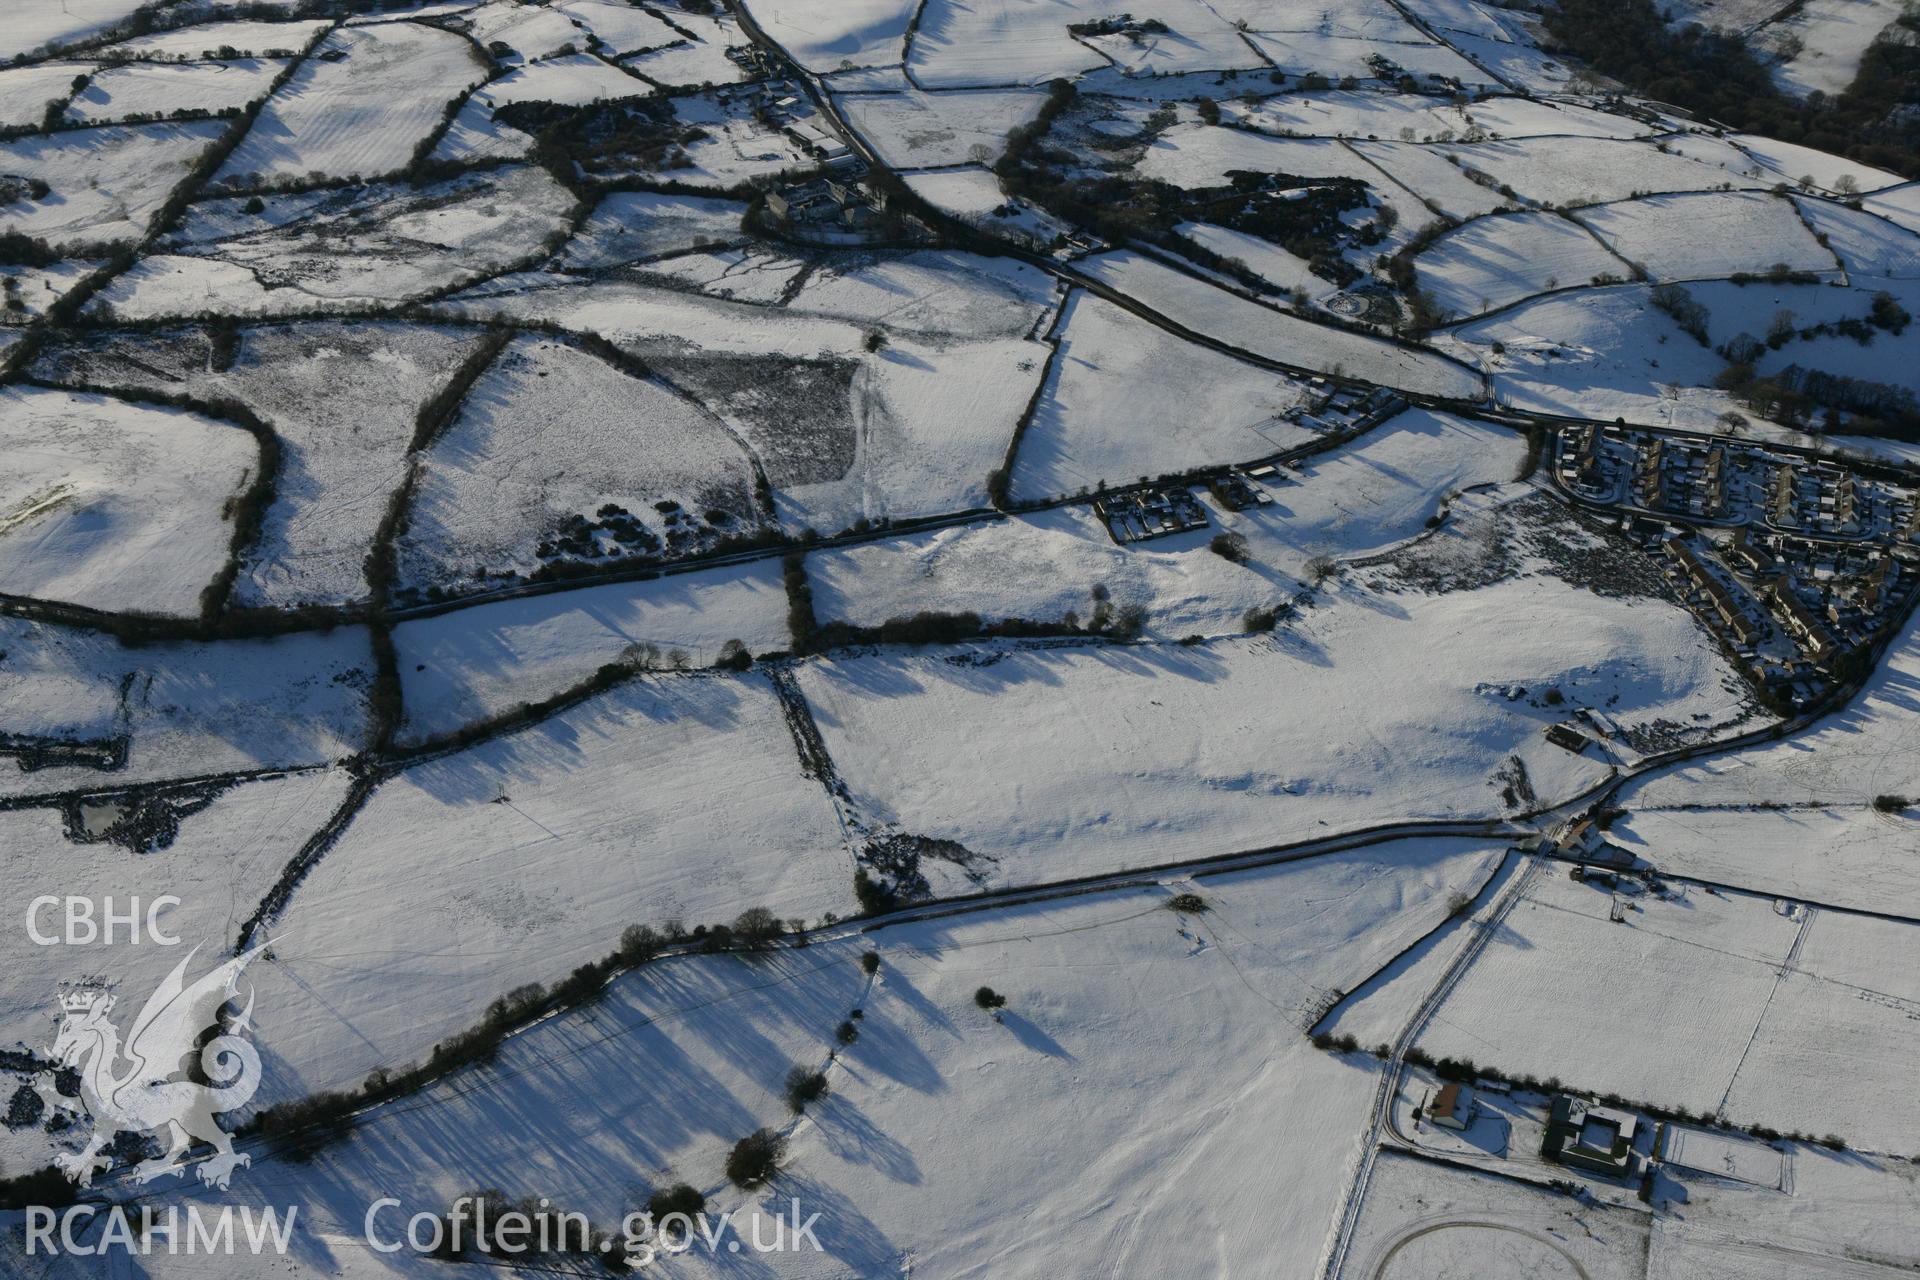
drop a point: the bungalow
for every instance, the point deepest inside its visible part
(1451, 1106)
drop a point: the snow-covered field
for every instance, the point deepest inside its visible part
(361, 114)
(335, 250)
(1697, 237)
(115, 505)
(1115, 409)
(160, 89)
(341, 400)
(1225, 317)
(106, 184)
(551, 431)
(187, 709)
(519, 859)
(1356, 501)
(461, 667)
(1494, 262)
(924, 130)
(1086, 759)
(1766, 995)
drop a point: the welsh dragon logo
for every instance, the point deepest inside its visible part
(136, 1086)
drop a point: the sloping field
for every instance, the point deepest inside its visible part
(517, 860)
(340, 398)
(380, 243)
(1582, 171)
(1225, 317)
(105, 184)
(1126, 399)
(1493, 262)
(1354, 501)
(114, 505)
(932, 1110)
(1086, 760)
(461, 667)
(186, 709)
(1696, 237)
(912, 129)
(998, 42)
(160, 89)
(827, 35)
(550, 432)
(361, 114)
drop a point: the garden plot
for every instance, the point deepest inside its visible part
(248, 38)
(1847, 1015)
(362, 114)
(1355, 501)
(1430, 176)
(1343, 113)
(1833, 36)
(622, 28)
(1581, 171)
(1694, 237)
(1125, 399)
(1425, 1220)
(161, 89)
(1790, 163)
(26, 92)
(341, 399)
(472, 664)
(112, 505)
(1696, 970)
(37, 288)
(932, 1110)
(831, 35)
(518, 859)
(1494, 262)
(962, 43)
(525, 32)
(105, 184)
(1228, 318)
(547, 437)
(912, 129)
(1845, 855)
(1864, 244)
(571, 80)
(185, 710)
(376, 244)
(229, 845)
(1084, 760)
(1338, 57)
(632, 226)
